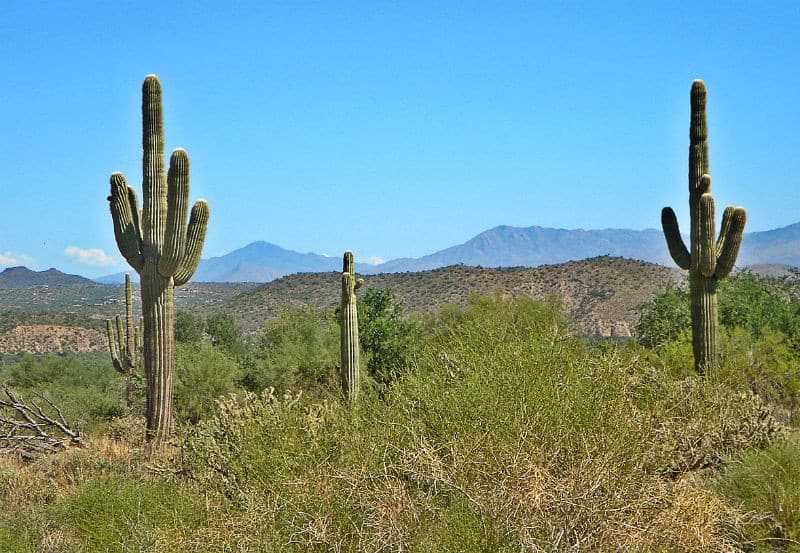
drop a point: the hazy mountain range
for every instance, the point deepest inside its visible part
(502, 246)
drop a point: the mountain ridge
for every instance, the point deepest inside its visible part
(500, 246)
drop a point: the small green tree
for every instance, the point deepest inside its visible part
(188, 328)
(299, 348)
(664, 317)
(221, 329)
(386, 336)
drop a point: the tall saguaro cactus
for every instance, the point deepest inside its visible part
(349, 327)
(157, 242)
(709, 260)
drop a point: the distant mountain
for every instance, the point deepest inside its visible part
(255, 262)
(772, 247)
(502, 246)
(600, 294)
(262, 262)
(506, 246)
(22, 277)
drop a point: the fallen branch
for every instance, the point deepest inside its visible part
(26, 428)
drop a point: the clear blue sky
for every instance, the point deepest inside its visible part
(391, 128)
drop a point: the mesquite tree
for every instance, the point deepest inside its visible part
(709, 260)
(157, 242)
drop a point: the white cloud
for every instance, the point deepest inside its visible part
(11, 259)
(373, 259)
(91, 256)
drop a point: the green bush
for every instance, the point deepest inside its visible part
(188, 328)
(508, 434)
(202, 374)
(386, 337)
(766, 484)
(114, 513)
(85, 386)
(298, 349)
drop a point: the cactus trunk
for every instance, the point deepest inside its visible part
(163, 249)
(159, 351)
(349, 328)
(703, 293)
(708, 260)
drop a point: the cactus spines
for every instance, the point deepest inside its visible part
(349, 328)
(708, 260)
(161, 247)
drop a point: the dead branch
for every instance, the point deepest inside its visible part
(28, 429)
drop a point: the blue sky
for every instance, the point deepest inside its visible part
(393, 129)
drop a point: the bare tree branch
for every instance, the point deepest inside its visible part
(29, 429)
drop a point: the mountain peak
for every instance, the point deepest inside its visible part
(21, 277)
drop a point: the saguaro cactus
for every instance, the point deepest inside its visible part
(125, 343)
(708, 261)
(161, 247)
(349, 327)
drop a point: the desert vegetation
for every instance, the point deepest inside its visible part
(482, 422)
(492, 426)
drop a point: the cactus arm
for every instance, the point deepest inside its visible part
(126, 229)
(195, 237)
(177, 200)
(154, 178)
(112, 346)
(136, 215)
(731, 240)
(698, 136)
(724, 228)
(130, 329)
(677, 249)
(707, 253)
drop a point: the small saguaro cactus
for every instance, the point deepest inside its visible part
(125, 343)
(349, 327)
(157, 242)
(709, 260)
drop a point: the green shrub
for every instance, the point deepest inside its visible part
(85, 386)
(188, 328)
(202, 374)
(766, 484)
(386, 337)
(507, 434)
(298, 349)
(114, 513)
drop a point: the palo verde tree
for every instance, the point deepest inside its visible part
(709, 260)
(162, 248)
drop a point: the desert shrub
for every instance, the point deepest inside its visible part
(665, 317)
(766, 484)
(221, 330)
(506, 434)
(84, 386)
(202, 374)
(385, 335)
(116, 513)
(297, 349)
(188, 328)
